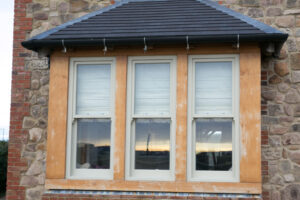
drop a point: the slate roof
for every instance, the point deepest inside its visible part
(158, 21)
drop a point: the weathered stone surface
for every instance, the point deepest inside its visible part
(52, 4)
(296, 76)
(298, 21)
(289, 178)
(291, 3)
(285, 166)
(41, 16)
(277, 180)
(45, 112)
(35, 84)
(297, 33)
(78, 5)
(35, 134)
(291, 12)
(42, 100)
(285, 21)
(44, 90)
(249, 3)
(28, 122)
(296, 127)
(41, 147)
(41, 179)
(274, 12)
(271, 153)
(270, 120)
(255, 12)
(42, 123)
(281, 68)
(295, 156)
(296, 172)
(35, 168)
(275, 80)
(34, 7)
(275, 109)
(297, 111)
(35, 111)
(288, 109)
(275, 195)
(34, 193)
(283, 87)
(278, 129)
(29, 181)
(275, 140)
(63, 7)
(291, 192)
(269, 95)
(286, 119)
(295, 61)
(40, 155)
(44, 80)
(37, 64)
(291, 44)
(292, 97)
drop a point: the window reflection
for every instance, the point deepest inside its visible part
(152, 146)
(214, 144)
(93, 143)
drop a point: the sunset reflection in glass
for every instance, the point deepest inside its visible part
(214, 144)
(93, 144)
(152, 146)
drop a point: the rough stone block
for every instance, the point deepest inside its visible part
(291, 192)
(285, 21)
(35, 134)
(281, 68)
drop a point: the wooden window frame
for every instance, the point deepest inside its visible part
(149, 175)
(250, 118)
(213, 176)
(71, 171)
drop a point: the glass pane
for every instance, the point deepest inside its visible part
(214, 144)
(213, 88)
(93, 90)
(152, 89)
(93, 143)
(152, 144)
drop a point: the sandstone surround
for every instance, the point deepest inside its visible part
(280, 106)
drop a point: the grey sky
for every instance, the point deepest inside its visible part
(6, 36)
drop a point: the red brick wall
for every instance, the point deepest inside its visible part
(19, 105)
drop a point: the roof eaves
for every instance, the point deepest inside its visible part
(248, 20)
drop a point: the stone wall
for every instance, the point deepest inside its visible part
(280, 96)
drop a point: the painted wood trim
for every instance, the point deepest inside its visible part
(250, 166)
(181, 117)
(57, 117)
(178, 186)
(250, 117)
(120, 112)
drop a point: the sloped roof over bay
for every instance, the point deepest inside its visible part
(158, 22)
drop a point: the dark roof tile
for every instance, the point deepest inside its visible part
(154, 19)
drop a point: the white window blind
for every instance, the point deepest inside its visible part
(93, 89)
(213, 88)
(152, 89)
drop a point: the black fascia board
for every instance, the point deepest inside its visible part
(35, 45)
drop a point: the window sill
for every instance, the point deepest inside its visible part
(166, 186)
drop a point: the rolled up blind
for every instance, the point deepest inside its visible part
(213, 88)
(152, 89)
(93, 90)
